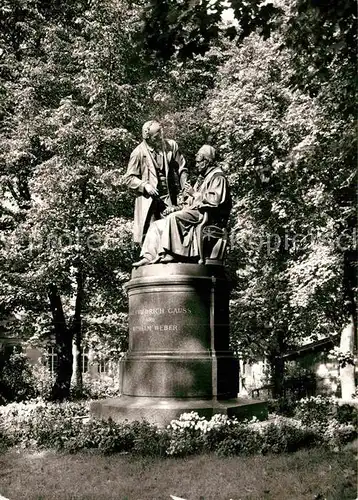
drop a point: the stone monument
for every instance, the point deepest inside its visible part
(179, 358)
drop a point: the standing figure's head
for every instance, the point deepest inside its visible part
(204, 158)
(152, 133)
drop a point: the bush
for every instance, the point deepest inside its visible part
(216, 431)
(107, 437)
(68, 426)
(282, 406)
(150, 440)
(139, 438)
(42, 424)
(99, 388)
(347, 414)
(336, 434)
(320, 410)
(240, 440)
(315, 410)
(186, 434)
(287, 435)
(5, 441)
(333, 423)
(16, 379)
(43, 381)
(93, 388)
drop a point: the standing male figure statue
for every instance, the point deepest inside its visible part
(174, 238)
(156, 173)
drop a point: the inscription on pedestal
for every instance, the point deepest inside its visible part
(155, 328)
(149, 313)
(154, 325)
(160, 310)
(172, 320)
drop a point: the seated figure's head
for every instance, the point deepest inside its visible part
(152, 133)
(204, 158)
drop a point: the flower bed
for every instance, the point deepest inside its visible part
(68, 426)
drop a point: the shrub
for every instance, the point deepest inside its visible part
(99, 388)
(5, 441)
(16, 379)
(333, 424)
(68, 426)
(286, 435)
(40, 423)
(150, 440)
(240, 440)
(315, 410)
(92, 388)
(216, 431)
(105, 436)
(347, 414)
(320, 410)
(336, 434)
(282, 406)
(186, 434)
(43, 381)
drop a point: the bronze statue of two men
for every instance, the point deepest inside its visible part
(167, 208)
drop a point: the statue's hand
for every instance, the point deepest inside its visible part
(188, 190)
(151, 190)
(170, 210)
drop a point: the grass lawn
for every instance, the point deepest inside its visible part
(308, 474)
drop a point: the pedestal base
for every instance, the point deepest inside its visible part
(162, 411)
(179, 358)
(179, 334)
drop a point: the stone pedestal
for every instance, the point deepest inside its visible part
(178, 358)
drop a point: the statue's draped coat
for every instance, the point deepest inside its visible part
(142, 170)
(176, 233)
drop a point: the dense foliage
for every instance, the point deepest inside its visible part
(68, 83)
(21, 380)
(17, 381)
(67, 426)
(272, 90)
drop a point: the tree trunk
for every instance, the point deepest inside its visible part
(76, 324)
(346, 373)
(277, 369)
(348, 340)
(76, 330)
(63, 348)
(277, 365)
(76, 380)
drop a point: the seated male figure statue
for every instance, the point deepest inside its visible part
(173, 238)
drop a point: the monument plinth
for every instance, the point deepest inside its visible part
(178, 358)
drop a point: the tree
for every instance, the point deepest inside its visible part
(283, 252)
(273, 94)
(183, 29)
(324, 38)
(73, 94)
